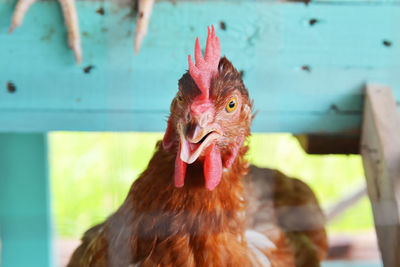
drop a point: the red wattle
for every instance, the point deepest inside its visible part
(212, 167)
(180, 170)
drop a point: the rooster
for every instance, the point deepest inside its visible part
(194, 204)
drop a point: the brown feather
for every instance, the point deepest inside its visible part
(161, 225)
(278, 204)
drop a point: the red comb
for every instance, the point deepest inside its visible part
(205, 67)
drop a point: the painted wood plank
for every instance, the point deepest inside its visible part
(25, 227)
(289, 65)
(380, 150)
(297, 122)
(352, 2)
(305, 2)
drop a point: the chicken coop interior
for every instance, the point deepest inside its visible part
(85, 94)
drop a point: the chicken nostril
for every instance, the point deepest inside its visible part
(188, 130)
(191, 131)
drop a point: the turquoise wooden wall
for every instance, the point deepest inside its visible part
(305, 66)
(25, 226)
(305, 77)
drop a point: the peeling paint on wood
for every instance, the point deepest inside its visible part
(271, 46)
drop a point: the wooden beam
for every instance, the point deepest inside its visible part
(302, 64)
(380, 150)
(345, 203)
(25, 225)
(322, 144)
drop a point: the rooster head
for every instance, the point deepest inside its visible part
(210, 115)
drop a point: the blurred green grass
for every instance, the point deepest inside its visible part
(91, 174)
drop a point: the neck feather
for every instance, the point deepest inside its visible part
(217, 210)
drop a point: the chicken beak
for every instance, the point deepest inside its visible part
(191, 148)
(194, 140)
(198, 140)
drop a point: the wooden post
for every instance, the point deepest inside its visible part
(380, 150)
(25, 228)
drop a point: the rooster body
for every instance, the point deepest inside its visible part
(286, 211)
(192, 205)
(161, 225)
(298, 238)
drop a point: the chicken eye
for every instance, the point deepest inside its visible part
(232, 104)
(179, 98)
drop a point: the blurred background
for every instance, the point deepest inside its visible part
(91, 174)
